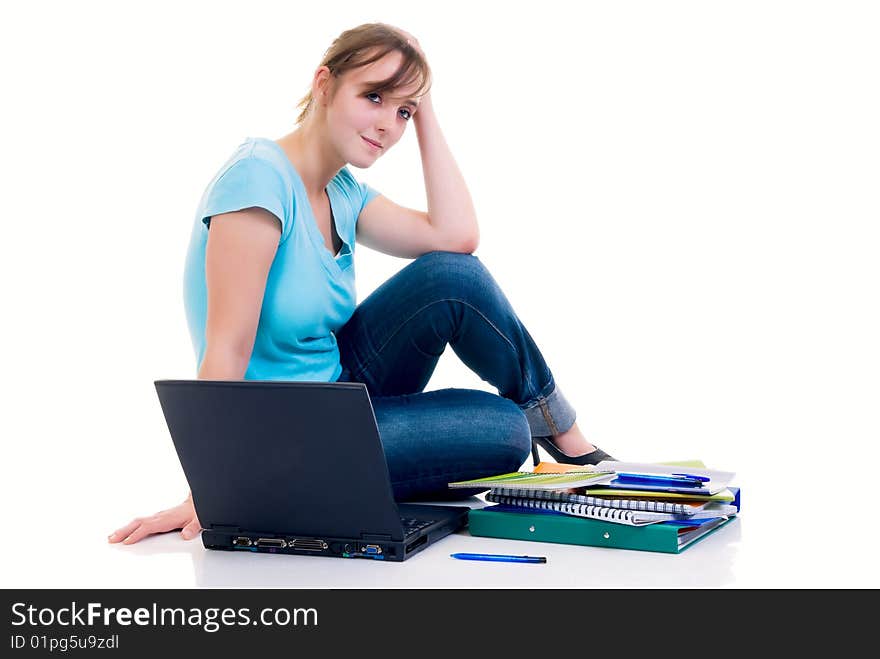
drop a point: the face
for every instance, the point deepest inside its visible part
(356, 116)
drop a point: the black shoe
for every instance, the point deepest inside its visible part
(591, 458)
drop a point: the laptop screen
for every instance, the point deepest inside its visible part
(302, 458)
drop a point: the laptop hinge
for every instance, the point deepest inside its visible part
(376, 537)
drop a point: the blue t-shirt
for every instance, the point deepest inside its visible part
(309, 293)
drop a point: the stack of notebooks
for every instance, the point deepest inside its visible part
(625, 505)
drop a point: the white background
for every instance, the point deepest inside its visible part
(680, 199)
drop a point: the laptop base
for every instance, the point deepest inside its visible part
(380, 548)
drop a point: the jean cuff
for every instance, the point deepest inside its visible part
(549, 415)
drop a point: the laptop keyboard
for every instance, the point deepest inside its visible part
(411, 525)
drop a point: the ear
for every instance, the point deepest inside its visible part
(321, 85)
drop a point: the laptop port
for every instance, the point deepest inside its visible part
(307, 544)
(241, 541)
(371, 549)
(415, 544)
(278, 543)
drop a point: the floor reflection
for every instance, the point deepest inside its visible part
(710, 562)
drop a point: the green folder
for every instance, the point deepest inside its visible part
(570, 530)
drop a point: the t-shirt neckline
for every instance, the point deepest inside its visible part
(317, 239)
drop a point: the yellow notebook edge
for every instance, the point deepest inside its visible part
(557, 468)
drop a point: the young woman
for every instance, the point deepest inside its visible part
(269, 284)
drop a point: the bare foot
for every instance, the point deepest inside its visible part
(572, 442)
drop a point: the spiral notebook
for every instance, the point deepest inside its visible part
(686, 509)
(615, 515)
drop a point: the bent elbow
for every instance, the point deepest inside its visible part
(470, 245)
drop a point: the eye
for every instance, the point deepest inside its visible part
(408, 113)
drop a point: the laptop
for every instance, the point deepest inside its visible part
(294, 468)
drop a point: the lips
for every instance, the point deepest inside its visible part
(369, 141)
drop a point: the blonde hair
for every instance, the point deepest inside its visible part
(364, 45)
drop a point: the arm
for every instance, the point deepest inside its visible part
(240, 251)
(450, 208)
(241, 248)
(450, 223)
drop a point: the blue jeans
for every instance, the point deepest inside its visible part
(392, 344)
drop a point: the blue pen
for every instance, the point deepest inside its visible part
(702, 479)
(651, 479)
(500, 557)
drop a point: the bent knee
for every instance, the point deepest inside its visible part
(453, 275)
(505, 423)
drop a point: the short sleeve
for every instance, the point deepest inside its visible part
(248, 183)
(367, 195)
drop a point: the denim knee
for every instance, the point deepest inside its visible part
(504, 456)
(514, 434)
(433, 438)
(439, 257)
(453, 275)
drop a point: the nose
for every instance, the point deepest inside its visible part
(386, 121)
